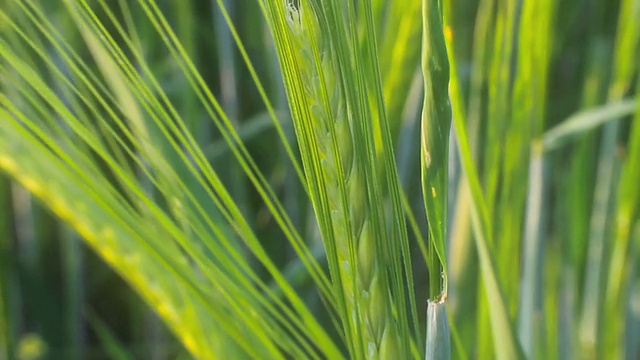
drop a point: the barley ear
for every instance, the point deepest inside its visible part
(354, 232)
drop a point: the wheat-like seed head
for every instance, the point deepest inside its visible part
(364, 285)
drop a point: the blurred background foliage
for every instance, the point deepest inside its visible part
(523, 67)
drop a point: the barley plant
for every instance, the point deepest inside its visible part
(323, 179)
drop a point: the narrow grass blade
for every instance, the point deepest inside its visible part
(434, 156)
(436, 125)
(531, 286)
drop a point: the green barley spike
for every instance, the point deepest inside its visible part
(368, 318)
(436, 123)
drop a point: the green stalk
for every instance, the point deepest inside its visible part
(436, 124)
(438, 343)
